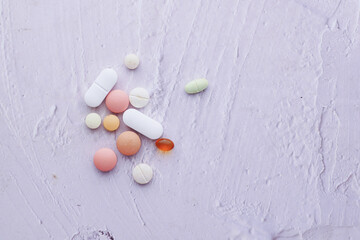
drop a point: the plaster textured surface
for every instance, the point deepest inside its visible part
(269, 151)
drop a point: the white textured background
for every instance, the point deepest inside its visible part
(269, 151)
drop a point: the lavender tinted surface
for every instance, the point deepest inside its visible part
(269, 151)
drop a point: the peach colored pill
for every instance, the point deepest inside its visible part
(117, 101)
(111, 122)
(128, 143)
(105, 159)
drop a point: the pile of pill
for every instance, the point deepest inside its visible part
(117, 101)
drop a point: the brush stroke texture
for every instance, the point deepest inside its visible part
(269, 151)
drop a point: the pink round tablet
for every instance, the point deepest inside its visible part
(117, 101)
(105, 159)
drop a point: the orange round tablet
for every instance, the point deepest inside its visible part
(117, 101)
(111, 122)
(105, 159)
(128, 143)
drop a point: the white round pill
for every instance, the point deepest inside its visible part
(93, 120)
(139, 97)
(131, 61)
(142, 173)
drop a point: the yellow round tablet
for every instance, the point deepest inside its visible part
(111, 122)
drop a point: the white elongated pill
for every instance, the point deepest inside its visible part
(131, 61)
(101, 87)
(93, 120)
(142, 173)
(142, 124)
(139, 97)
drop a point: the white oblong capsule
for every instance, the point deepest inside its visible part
(142, 124)
(97, 92)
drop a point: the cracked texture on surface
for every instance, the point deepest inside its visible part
(269, 151)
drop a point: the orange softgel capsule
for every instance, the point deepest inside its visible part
(164, 144)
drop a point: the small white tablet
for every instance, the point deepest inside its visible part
(142, 173)
(139, 97)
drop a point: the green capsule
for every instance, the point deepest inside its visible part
(196, 86)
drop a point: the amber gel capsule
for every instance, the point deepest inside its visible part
(164, 144)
